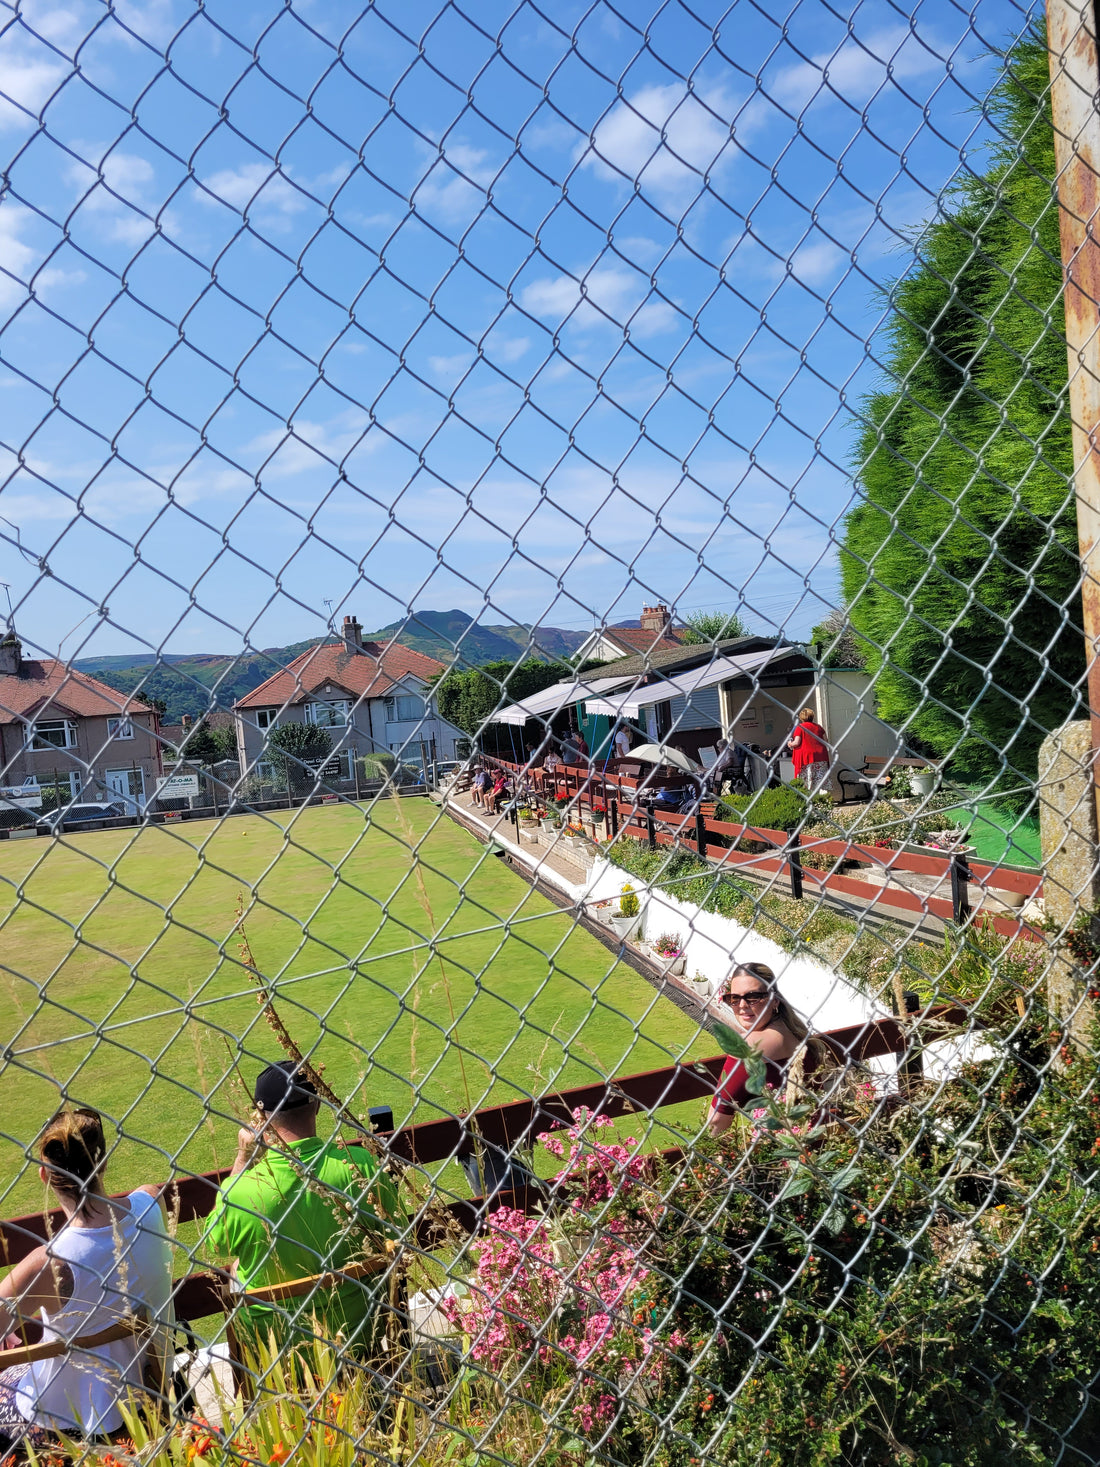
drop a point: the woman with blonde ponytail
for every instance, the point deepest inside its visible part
(108, 1264)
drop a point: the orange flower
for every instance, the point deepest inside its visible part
(279, 1453)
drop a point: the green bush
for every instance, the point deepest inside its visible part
(682, 874)
(784, 808)
(378, 765)
(291, 747)
(628, 901)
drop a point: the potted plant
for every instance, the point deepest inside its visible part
(629, 915)
(922, 782)
(952, 841)
(669, 950)
(700, 985)
(555, 809)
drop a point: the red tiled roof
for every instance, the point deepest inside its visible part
(358, 673)
(50, 687)
(640, 639)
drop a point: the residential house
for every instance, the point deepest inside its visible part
(62, 727)
(371, 696)
(655, 633)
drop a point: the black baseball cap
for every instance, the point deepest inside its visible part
(283, 1086)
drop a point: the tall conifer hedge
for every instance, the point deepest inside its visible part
(960, 561)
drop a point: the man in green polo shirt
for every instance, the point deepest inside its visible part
(283, 1213)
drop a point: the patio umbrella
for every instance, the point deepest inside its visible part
(657, 754)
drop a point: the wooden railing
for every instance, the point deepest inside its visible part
(192, 1197)
(616, 798)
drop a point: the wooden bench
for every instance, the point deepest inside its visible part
(873, 774)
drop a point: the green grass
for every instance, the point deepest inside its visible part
(123, 985)
(998, 835)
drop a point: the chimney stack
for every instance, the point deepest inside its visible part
(656, 619)
(11, 654)
(353, 634)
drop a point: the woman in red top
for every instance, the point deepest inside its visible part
(809, 749)
(769, 1024)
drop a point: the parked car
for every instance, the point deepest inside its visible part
(79, 817)
(443, 771)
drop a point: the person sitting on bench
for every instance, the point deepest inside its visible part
(108, 1266)
(294, 1206)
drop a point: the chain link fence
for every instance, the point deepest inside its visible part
(647, 1013)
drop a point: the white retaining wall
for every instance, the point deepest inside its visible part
(715, 944)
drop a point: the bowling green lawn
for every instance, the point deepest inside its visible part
(122, 984)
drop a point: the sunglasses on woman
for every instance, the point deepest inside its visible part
(754, 1000)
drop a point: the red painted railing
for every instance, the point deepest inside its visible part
(616, 796)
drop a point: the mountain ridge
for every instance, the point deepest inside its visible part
(195, 683)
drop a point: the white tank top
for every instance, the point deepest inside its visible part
(122, 1269)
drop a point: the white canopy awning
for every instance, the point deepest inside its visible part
(551, 701)
(722, 669)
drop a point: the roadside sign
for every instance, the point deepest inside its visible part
(177, 786)
(20, 797)
(326, 767)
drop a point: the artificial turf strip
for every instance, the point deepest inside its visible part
(123, 984)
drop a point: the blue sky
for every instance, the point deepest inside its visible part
(539, 313)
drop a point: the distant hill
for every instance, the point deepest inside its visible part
(187, 681)
(440, 633)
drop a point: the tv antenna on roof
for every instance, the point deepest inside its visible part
(328, 603)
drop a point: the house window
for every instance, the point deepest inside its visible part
(119, 728)
(68, 786)
(56, 733)
(328, 715)
(265, 717)
(265, 771)
(404, 710)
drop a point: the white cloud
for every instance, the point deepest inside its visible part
(815, 264)
(856, 69)
(56, 23)
(610, 296)
(155, 21)
(118, 196)
(665, 138)
(450, 366)
(283, 453)
(510, 351)
(455, 185)
(16, 256)
(253, 185)
(52, 277)
(29, 75)
(21, 259)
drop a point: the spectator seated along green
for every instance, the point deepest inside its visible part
(282, 1215)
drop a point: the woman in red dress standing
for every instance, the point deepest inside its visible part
(769, 1024)
(809, 750)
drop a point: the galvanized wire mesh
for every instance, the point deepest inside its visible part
(753, 324)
